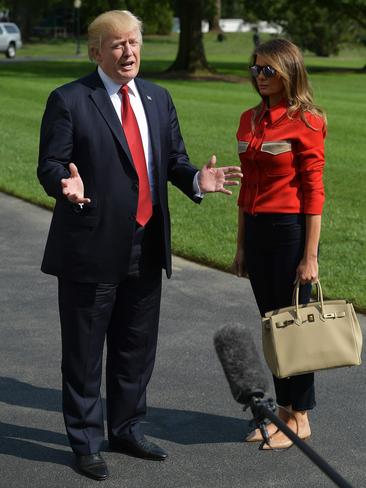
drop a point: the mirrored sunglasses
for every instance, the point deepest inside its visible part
(268, 71)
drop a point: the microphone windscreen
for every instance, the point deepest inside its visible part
(239, 358)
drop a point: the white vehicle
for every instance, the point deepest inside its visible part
(10, 39)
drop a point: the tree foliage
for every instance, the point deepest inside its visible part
(316, 29)
(316, 25)
(157, 16)
(27, 13)
(232, 9)
(351, 9)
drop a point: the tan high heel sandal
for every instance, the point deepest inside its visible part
(256, 436)
(285, 444)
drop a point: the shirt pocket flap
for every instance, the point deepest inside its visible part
(276, 147)
(242, 146)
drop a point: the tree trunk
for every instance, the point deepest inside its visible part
(191, 57)
(215, 26)
(22, 16)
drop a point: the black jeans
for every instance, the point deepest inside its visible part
(274, 246)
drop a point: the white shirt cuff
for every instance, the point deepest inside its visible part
(196, 188)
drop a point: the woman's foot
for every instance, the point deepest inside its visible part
(299, 423)
(284, 413)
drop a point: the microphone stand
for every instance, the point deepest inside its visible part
(265, 408)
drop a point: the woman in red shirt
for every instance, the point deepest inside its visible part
(281, 149)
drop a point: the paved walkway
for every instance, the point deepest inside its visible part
(191, 414)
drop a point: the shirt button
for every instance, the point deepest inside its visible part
(132, 217)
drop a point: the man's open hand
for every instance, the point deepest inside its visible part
(73, 187)
(211, 179)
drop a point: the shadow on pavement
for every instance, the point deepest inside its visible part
(192, 427)
(185, 427)
(15, 392)
(24, 442)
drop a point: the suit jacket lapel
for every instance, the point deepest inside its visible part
(103, 103)
(152, 116)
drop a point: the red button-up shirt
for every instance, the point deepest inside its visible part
(282, 162)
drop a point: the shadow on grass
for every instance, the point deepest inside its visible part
(46, 69)
(156, 39)
(241, 68)
(335, 69)
(72, 69)
(69, 69)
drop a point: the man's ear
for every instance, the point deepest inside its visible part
(95, 54)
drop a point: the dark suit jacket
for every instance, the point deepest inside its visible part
(80, 125)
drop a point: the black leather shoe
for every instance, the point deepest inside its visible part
(139, 448)
(93, 466)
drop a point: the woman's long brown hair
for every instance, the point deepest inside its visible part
(286, 58)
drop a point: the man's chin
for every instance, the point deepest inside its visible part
(124, 77)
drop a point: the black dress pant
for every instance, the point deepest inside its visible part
(126, 314)
(274, 246)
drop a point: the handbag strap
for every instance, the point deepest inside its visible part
(320, 298)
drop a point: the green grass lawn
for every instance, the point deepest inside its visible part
(209, 114)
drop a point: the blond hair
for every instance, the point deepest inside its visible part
(111, 22)
(286, 58)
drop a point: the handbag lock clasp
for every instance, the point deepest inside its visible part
(334, 315)
(329, 315)
(285, 323)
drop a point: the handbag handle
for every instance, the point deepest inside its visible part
(318, 288)
(320, 299)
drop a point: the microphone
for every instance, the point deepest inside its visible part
(238, 355)
(239, 358)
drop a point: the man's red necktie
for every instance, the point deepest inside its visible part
(133, 136)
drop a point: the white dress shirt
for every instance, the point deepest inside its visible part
(116, 98)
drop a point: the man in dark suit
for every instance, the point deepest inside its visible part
(109, 144)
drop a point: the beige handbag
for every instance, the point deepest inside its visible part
(305, 338)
